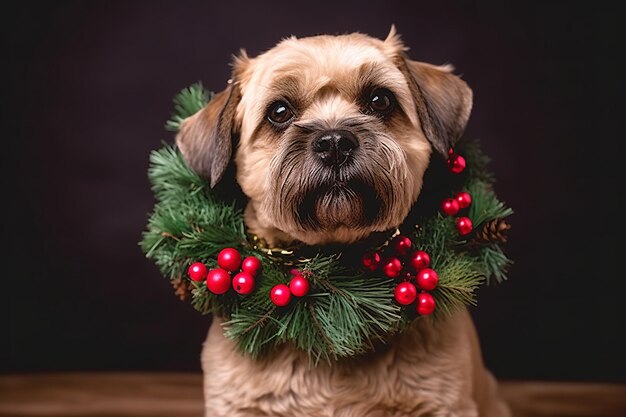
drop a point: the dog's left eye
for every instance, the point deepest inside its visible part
(382, 101)
(279, 113)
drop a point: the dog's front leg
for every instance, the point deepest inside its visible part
(236, 385)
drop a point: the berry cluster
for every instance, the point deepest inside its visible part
(298, 286)
(451, 206)
(408, 265)
(219, 280)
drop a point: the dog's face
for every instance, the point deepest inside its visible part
(335, 133)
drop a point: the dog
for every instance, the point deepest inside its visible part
(333, 136)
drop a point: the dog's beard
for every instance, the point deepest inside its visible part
(364, 193)
(338, 198)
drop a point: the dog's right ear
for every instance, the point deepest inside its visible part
(205, 139)
(443, 101)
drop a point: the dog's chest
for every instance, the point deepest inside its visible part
(420, 374)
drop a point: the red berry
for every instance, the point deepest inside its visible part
(464, 198)
(229, 259)
(295, 272)
(371, 260)
(218, 281)
(463, 225)
(243, 283)
(280, 295)
(392, 267)
(251, 265)
(450, 206)
(401, 244)
(299, 286)
(197, 271)
(427, 279)
(456, 163)
(419, 260)
(425, 303)
(405, 293)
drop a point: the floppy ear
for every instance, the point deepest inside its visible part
(205, 139)
(443, 100)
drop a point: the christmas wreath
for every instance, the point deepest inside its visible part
(331, 302)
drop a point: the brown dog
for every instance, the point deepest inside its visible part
(335, 134)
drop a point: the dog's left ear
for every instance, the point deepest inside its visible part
(205, 139)
(443, 100)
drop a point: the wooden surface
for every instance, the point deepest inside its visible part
(564, 399)
(180, 395)
(101, 395)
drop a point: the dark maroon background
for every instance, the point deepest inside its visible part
(87, 87)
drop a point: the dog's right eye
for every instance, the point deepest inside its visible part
(280, 113)
(382, 101)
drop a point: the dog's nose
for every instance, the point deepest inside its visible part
(335, 146)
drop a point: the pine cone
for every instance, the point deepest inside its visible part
(181, 288)
(492, 231)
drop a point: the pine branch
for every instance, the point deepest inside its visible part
(346, 318)
(435, 236)
(170, 176)
(459, 278)
(201, 299)
(174, 235)
(495, 263)
(320, 330)
(260, 322)
(485, 205)
(478, 162)
(186, 103)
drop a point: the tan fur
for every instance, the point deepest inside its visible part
(430, 370)
(433, 369)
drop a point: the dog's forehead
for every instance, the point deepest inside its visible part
(321, 57)
(331, 52)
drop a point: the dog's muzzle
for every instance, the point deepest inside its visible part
(334, 147)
